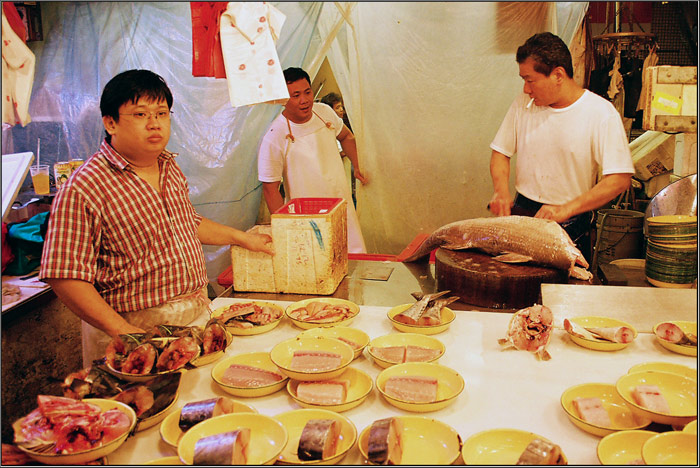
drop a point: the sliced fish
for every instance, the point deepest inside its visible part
(319, 439)
(228, 448)
(384, 445)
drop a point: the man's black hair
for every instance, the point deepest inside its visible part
(548, 51)
(293, 74)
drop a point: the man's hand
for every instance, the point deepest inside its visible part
(258, 243)
(361, 177)
(558, 213)
(500, 205)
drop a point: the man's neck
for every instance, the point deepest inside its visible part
(571, 92)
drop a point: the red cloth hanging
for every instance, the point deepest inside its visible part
(207, 58)
(15, 20)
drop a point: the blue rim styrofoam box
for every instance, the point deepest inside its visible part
(309, 236)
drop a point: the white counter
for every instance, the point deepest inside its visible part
(503, 388)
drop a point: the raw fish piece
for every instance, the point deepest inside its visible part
(384, 445)
(324, 392)
(214, 337)
(650, 397)
(319, 439)
(540, 452)
(315, 361)
(178, 353)
(390, 353)
(530, 330)
(674, 334)
(412, 315)
(241, 375)
(228, 448)
(416, 389)
(591, 410)
(197, 411)
(537, 240)
(420, 354)
(432, 315)
(614, 334)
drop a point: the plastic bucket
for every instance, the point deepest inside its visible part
(619, 235)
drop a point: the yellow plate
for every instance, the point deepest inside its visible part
(600, 322)
(402, 339)
(498, 446)
(294, 422)
(146, 423)
(168, 461)
(680, 394)
(281, 354)
(672, 219)
(621, 415)
(623, 447)
(357, 336)
(680, 369)
(450, 384)
(687, 327)
(354, 310)
(447, 316)
(261, 360)
(691, 427)
(671, 448)
(170, 430)
(139, 377)
(425, 441)
(267, 436)
(252, 330)
(85, 456)
(359, 389)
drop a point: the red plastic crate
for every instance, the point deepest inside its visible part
(308, 206)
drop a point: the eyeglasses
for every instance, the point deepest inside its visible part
(144, 116)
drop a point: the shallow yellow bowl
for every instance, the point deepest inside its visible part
(158, 417)
(679, 369)
(672, 219)
(679, 392)
(447, 316)
(139, 377)
(623, 447)
(600, 322)
(671, 448)
(691, 427)
(85, 456)
(450, 385)
(252, 330)
(403, 339)
(294, 421)
(282, 353)
(359, 389)
(261, 360)
(360, 338)
(168, 461)
(425, 441)
(498, 446)
(687, 327)
(621, 415)
(354, 310)
(267, 436)
(170, 430)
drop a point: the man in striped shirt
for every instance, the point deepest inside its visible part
(123, 248)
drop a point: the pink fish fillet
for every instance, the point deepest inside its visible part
(241, 375)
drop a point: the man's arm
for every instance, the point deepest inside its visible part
(84, 301)
(213, 233)
(605, 190)
(501, 201)
(273, 197)
(349, 145)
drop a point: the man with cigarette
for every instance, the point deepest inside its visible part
(563, 136)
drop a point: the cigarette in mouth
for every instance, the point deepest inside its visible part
(529, 104)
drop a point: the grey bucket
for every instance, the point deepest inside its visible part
(619, 235)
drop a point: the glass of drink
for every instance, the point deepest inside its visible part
(40, 178)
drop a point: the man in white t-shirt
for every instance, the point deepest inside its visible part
(300, 151)
(564, 136)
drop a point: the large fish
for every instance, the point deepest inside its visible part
(512, 239)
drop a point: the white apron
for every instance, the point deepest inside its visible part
(314, 168)
(181, 310)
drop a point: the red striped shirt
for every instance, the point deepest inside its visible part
(109, 227)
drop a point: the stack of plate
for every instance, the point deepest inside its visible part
(672, 248)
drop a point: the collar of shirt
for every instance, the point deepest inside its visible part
(117, 160)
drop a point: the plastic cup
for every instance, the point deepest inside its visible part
(40, 179)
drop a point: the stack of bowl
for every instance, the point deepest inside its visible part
(672, 248)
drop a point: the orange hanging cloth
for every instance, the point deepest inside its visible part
(207, 58)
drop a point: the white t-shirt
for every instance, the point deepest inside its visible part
(560, 151)
(310, 166)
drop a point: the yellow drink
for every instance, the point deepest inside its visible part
(40, 179)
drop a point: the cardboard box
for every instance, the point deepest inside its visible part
(653, 153)
(686, 161)
(309, 236)
(253, 271)
(671, 99)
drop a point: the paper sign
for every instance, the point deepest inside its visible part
(666, 103)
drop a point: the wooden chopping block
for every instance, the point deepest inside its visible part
(480, 280)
